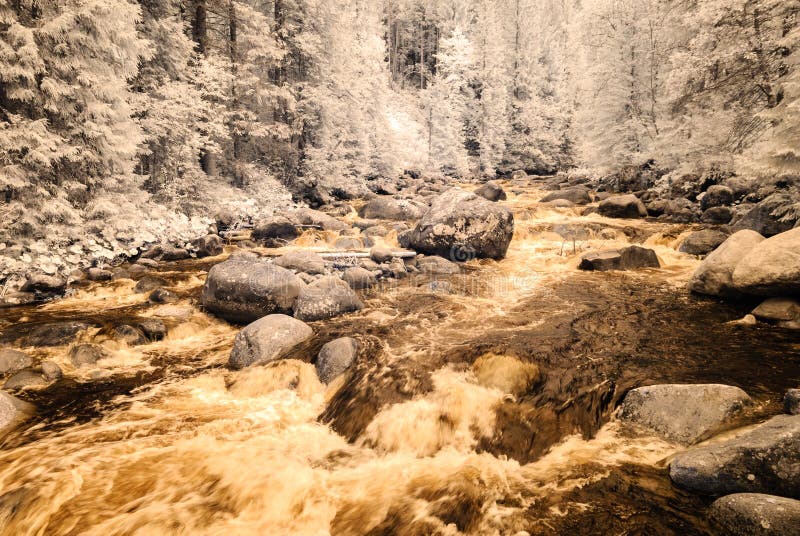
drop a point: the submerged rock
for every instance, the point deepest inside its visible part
(243, 290)
(302, 261)
(714, 276)
(461, 225)
(756, 514)
(630, 258)
(13, 411)
(128, 334)
(267, 339)
(326, 298)
(683, 413)
(335, 358)
(764, 459)
(622, 206)
(492, 191)
(771, 267)
(703, 242)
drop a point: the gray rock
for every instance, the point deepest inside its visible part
(326, 298)
(54, 334)
(791, 402)
(778, 310)
(683, 413)
(714, 276)
(630, 258)
(461, 226)
(13, 411)
(149, 283)
(130, 335)
(210, 245)
(492, 191)
(98, 274)
(381, 254)
(302, 261)
(335, 358)
(389, 208)
(435, 265)
(771, 267)
(396, 268)
(348, 242)
(764, 459)
(717, 215)
(717, 196)
(267, 339)
(51, 372)
(147, 263)
(153, 328)
(359, 279)
(622, 206)
(703, 242)
(756, 514)
(766, 217)
(12, 361)
(315, 218)
(376, 231)
(86, 354)
(244, 290)
(170, 253)
(275, 232)
(578, 196)
(161, 295)
(24, 379)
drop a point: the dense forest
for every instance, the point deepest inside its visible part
(125, 122)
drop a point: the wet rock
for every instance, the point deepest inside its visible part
(435, 265)
(767, 217)
(314, 218)
(161, 295)
(717, 215)
(756, 514)
(275, 232)
(12, 361)
(791, 402)
(99, 274)
(54, 334)
(13, 411)
(560, 203)
(128, 334)
(24, 379)
(358, 278)
(622, 206)
(267, 339)
(683, 413)
(764, 459)
(244, 290)
(461, 226)
(578, 196)
(630, 258)
(147, 263)
(149, 283)
(302, 261)
(326, 298)
(171, 254)
(389, 208)
(210, 245)
(679, 210)
(335, 358)
(778, 310)
(716, 196)
(703, 242)
(86, 354)
(714, 276)
(51, 372)
(153, 328)
(771, 267)
(506, 373)
(381, 254)
(44, 283)
(492, 192)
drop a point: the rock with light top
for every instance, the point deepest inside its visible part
(325, 298)
(13, 411)
(268, 339)
(756, 514)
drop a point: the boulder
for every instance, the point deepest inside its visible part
(685, 414)
(149, 283)
(314, 218)
(348, 242)
(629, 258)
(98, 274)
(275, 232)
(326, 298)
(680, 210)
(756, 514)
(171, 253)
(86, 355)
(703, 242)
(267, 339)
(461, 225)
(492, 192)
(335, 358)
(128, 334)
(51, 372)
(717, 196)
(161, 295)
(771, 267)
(622, 206)
(153, 329)
(763, 459)
(12, 361)
(714, 276)
(24, 379)
(13, 411)
(389, 208)
(767, 217)
(44, 283)
(54, 334)
(210, 245)
(791, 402)
(578, 196)
(435, 265)
(358, 278)
(302, 261)
(381, 254)
(717, 215)
(778, 310)
(243, 290)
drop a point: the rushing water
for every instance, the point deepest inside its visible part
(486, 410)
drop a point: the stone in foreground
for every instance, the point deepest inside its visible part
(778, 310)
(764, 459)
(335, 358)
(622, 206)
(13, 411)
(685, 414)
(267, 339)
(756, 514)
(714, 276)
(243, 290)
(461, 225)
(771, 268)
(326, 298)
(630, 258)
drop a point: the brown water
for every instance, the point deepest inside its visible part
(484, 411)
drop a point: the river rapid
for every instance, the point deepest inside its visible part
(488, 409)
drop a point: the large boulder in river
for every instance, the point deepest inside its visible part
(769, 217)
(703, 242)
(492, 192)
(763, 459)
(13, 411)
(461, 225)
(714, 276)
(267, 339)
(302, 261)
(242, 290)
(771, 267)
(389, 208)
(275, 232)
(630, 258)
(683, 413)
(756, 514)
(579, 196)
(622, 206)
(335, 358)
(326, 298)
